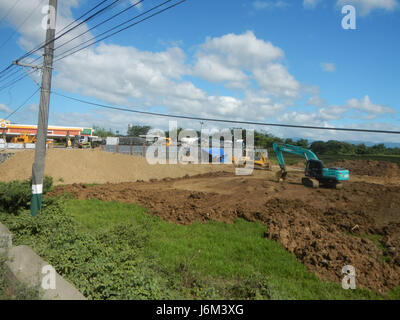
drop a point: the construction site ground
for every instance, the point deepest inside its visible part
(326, 229)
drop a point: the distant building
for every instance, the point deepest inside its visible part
(11, 130)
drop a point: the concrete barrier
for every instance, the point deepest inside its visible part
(5, 238)
(27, 268)
(14, 145)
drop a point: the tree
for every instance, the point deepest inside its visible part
(378, 148)
(136, 131)
(102, 132)
(319, 147)
(289, 141)
(361, 149)
(302, 143)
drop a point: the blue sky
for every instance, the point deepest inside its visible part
(265, 60)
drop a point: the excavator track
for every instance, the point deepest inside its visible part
(309, 182)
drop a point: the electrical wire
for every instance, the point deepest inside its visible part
(99, 24)
(8, 69)
(21, 25)
(69, 30)
(22, 105)
(62, 56)
(15, 80)
(9, 11)
(223, 120)
(81, 16)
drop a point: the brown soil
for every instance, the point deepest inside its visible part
(369, 167)
(68, 166)
(325, 228)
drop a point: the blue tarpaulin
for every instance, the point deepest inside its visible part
(216, 153)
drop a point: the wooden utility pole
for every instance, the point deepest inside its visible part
(40, 148)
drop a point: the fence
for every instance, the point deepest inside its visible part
(18, 146)
(141, 150)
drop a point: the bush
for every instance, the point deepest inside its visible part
(16, 195)
(107, 264)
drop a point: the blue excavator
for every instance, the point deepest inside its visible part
(315, 173)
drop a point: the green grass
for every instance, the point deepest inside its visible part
(215, 260)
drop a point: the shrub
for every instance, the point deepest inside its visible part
(107, 264)
(16, 195)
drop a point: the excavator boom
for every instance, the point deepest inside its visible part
(278, 149)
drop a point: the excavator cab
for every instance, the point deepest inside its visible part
(314, 168)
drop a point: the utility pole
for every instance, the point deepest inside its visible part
(41, 138)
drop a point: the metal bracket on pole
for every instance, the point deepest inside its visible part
(16, 62)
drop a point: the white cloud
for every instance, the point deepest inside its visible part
(316, 101)
(328, 66)
(261, 5)
(32, 32)
(331, 113)
(236, 60)
(211, 68)
(243, 50)
(319, 118)
(274, 79)
(116, 74)
(310, 4)
(366, 6)
(4, 108)
(372, 110)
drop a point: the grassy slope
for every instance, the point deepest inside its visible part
(216, 260)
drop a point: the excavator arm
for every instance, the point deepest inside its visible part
(280, 148)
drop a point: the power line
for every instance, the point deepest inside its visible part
(80, 17)
(116, 32)
(69, 30)
(22, 105)
(7, 76)
(8, 68)
(21, 25)
(224, 120)
(15, 80)
(9, 11)
(99, 24)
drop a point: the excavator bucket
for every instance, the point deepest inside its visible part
(281, 175)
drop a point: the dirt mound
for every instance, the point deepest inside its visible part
(95, 166)
(327, 241)
(369, 167)
(326, 229)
